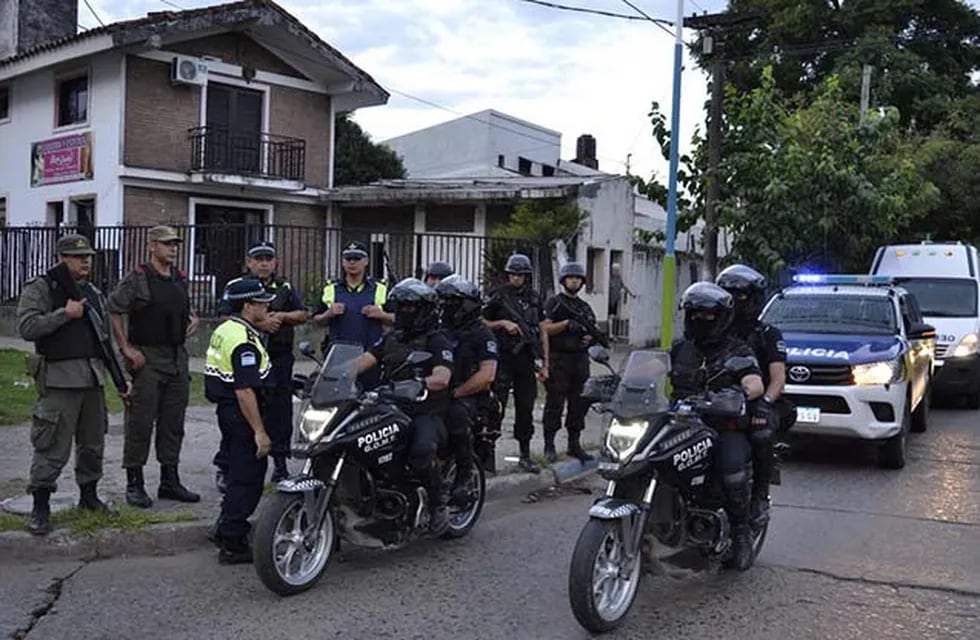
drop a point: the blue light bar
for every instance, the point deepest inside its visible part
(819, 278)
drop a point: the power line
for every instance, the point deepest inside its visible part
(647, 16)
(94, 13)
(596, 12)
(173, 4)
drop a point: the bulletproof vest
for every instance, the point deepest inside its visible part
(281, 341)
(351, 326)
(396, 351)
(524, 302)
(757, 342)
(691, 368)
(75, 339)
(570, 341)
(163, 322)
(468, 343)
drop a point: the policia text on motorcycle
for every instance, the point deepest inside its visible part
(698, 364)
(475, 357)
(416, 329)
(69, 373)
(236, 373)
(285, 312)
(513, 313)
(569, 341)
(748, 289)
(151, 319)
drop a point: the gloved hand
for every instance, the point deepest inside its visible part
(574, 326)
(761, 411)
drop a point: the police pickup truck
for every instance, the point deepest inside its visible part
(860, 359)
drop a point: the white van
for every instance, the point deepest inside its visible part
(945, 279)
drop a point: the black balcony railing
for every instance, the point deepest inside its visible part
(247, 153)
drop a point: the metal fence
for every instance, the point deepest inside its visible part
(211, 255)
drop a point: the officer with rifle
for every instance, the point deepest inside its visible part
(570, 324)
(63, 314)
(513, 313)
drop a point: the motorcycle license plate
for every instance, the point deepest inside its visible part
(809, 415)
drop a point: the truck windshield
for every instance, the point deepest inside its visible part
(943, 297)
(826, 313)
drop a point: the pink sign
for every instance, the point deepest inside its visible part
(64, 159)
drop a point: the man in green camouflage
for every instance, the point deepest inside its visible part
(155, 298)
(69, 374)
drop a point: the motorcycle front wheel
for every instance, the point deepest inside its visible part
(602, 582)
(288, 558)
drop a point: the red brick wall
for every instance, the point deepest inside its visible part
(143, 207)
(158, 116)
(305, 115)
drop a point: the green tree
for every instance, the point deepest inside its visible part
(358, 160)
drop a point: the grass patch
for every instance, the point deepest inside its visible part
(19, 395)
(88, 522)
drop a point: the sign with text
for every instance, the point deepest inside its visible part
(64, 159)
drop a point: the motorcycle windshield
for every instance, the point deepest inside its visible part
(337, 381)
(642, 388)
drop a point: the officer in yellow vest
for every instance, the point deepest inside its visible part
(236, 372)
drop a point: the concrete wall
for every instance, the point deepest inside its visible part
(645, 278)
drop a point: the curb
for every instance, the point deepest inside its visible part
(170, 538)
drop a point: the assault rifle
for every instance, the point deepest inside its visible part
(528, 336)
(392, 275)
(598, 336)
(62, 277)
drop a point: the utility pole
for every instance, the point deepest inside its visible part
(865, 90)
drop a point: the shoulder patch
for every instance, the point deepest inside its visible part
(248, 359)
(781, 346)
(447, 355)
(491, 346)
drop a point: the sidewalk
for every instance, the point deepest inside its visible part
(197, 473)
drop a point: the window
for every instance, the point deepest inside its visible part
(500, 161)
(73, 100)
(524, 166)
(4, 103)
(595, 270)
(547, 170)
(834, 314)
(55, 214)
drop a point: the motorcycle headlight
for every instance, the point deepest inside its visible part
(967, 346)
(623, 437)
(877, 372)
(313, 423)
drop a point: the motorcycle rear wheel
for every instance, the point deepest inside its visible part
(601, 590)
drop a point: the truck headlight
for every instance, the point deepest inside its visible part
(313, 423)
(623, 437)
(967, 346)
(877, 372)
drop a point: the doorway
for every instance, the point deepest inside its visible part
(234, 129)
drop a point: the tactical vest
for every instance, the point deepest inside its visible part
(396, 352)
(570, 341)
(75, 339)
(164, 321)
(467, 345)
(219, 370)
(691, 369)
(351, 326)
(757, 342)
(281, 342)
(525, 303)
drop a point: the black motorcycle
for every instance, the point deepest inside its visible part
(662, 488)
(356, 484)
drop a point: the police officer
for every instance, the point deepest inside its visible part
(155, 298)
(517, 351)
(69, 375)
(352, 307)
(416, 329)
(285, 311)
(748, 289)
(697, 365)
(569, 341)
(475, 355)
(236, 373)
(436, 271)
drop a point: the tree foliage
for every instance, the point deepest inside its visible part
(358, 160)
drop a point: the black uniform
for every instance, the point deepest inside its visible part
(768, 346)
(472, 345)
(517, 369)
(568, 368)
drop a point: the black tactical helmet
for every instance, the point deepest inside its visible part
(706, 299)
(439, 269)
(748, 288)
(414, 305)
(518, 264)
(571, 269)
(460, 301)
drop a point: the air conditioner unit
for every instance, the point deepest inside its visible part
(189, 70)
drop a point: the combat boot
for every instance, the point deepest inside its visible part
(280, 471)
(575, 447)
(235, 552)
(550, 453)
(738, 496)
(88, 499)
(40, 521)
(136, 489)
(172, 489)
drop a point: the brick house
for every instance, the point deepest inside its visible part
(214, 118)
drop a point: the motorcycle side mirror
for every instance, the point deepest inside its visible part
(599, 354)
(736, 364)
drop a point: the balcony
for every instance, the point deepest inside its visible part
(217, 150)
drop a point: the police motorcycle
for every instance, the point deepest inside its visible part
(356, 484)
(657, 460)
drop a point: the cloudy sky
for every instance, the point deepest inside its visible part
(571, 72)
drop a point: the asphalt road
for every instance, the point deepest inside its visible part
(853, 552)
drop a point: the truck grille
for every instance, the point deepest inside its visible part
(941, 350)
(819, 374)
(826, 404)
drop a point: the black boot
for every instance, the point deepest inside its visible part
(136, 489)
(234, 552)
(525, 461)
(550, 454)
(89, 500)
(438, 512)
(280, 472)
(460, 493)
(575, 447)
(763, 461)
(737, 495)
(221, 480)
(40, 522)
(172, 489)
